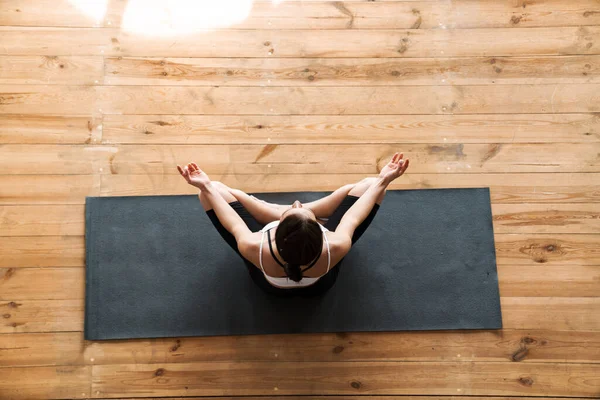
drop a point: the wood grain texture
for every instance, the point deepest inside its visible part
(304, 96)
(535, 313)
(49, 129)
(514, 281)
(511, 249)
(349, 129)
(505, 188)
(41, 251)
(333, 100)
(48, 189)
(575, 313)
(41, 316)
(51, 70)
(48, 99)
(298, 159)
(546, 218)
(526, 346)
(377, 100)
(68, 220)
(439, 378)
(549, 280)
(351, 71)
(363, 397)
(46, 220)
(553, 249)
(329, 14)
(43, 283)
(43, 349)
(62, 382)
(304, 43)
(62, 13)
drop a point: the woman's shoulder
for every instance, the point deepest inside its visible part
(269, 225)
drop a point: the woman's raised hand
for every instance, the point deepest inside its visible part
(394, 168)
(194, 175)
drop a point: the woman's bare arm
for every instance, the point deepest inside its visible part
(362, 207)
(262, 212)
(322, 207)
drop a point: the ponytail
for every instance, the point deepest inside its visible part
(299, 240)
(293, 272)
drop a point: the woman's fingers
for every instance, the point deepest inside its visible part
(195, 166)
(404, 166)
(182, 171)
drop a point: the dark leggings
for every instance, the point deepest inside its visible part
(326, 281)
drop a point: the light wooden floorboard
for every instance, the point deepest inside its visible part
(304, 43)
(332, 15)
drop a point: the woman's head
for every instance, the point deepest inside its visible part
(298, 238)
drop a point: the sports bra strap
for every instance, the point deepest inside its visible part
(271, 248)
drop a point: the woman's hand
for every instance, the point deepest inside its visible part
(394, 168)
(194, 175)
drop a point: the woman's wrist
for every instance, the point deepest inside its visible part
(205, 187)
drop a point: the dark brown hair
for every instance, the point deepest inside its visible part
(299, 240)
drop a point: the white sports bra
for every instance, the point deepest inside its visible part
(287, 282)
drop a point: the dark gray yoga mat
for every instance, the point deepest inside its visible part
(156, 267)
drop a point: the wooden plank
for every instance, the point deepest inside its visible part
(45, 383)
(61, 13)
(505, 188)
(48, 189)
(68, 220)
(529, 313)
(48, 99)
(51, 70)
(255, 129)
(546, 218)
(327, 100)
(326, 14)
(579, 313)
(511, 249)
(41, 251)
(514, 281)
(304, 43)
(549, 280)
(46, 283)
(282, 378)
(50, 129)
(298, 159)
(361, 397)
(41, 316)
(351, 71)
(45, 349)
(46, 220)
(554, 249)
(527, 346)
(484, 99)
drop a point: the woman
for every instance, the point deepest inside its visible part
(297, 249)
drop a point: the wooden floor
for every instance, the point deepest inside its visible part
(304, 96)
